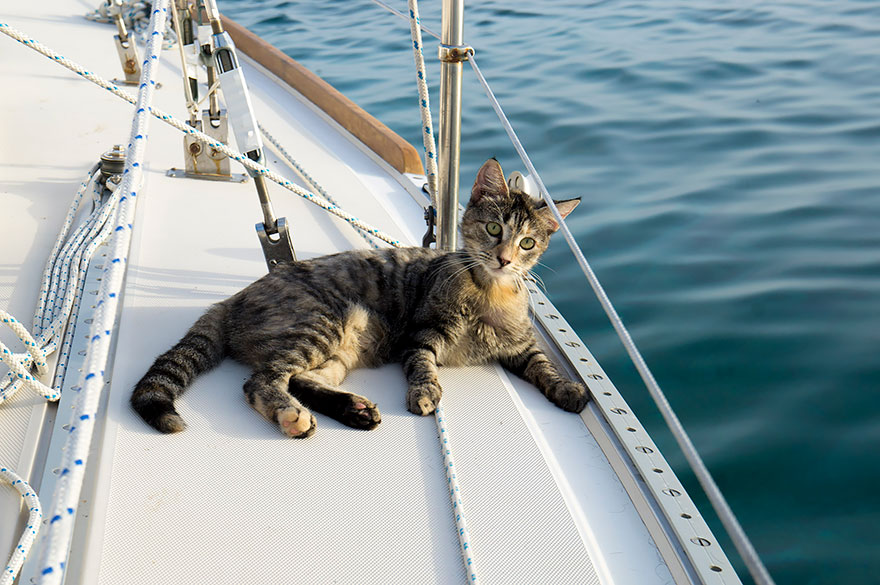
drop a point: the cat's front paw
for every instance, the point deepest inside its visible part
(568, 395)
(423, 398)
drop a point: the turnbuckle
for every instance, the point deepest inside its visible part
(274, 234)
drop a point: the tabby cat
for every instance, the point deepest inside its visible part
(306, 324)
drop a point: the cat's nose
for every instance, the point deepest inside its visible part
(502, 261)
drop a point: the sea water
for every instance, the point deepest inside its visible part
(728, 159)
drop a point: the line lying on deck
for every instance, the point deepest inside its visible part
(200, 136)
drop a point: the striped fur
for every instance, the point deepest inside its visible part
(305, 325)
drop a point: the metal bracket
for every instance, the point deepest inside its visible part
(125, 47)
(202, 161)
(454, 53)
(431, 220)
(131, 65)
(277, 245)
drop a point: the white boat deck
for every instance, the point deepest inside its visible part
(231, 500)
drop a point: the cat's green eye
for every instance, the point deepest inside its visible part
(527, 243)
(493, 228)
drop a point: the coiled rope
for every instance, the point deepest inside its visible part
(35, 515)
(61, 293)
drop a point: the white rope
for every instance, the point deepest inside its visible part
(136, 16)
(35, 515)
(93, 380)
(415, 26)
(19, 370)
(464, 537)
(20, 364)
(305, 176)
(424, 102)
(55, 543)
(200, 136)
(60, 295)
(448, 462)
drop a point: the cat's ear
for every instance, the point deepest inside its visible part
(490, 182)
(564, 207)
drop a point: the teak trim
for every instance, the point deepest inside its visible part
(378, 137)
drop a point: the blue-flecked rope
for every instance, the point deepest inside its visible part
(53, 568)
(310, 181)
(20, 364)
(464, 538)
(430, 146)
(35, 515)
(56, 539)
(61, 293)
(428, 141)
(200, 136)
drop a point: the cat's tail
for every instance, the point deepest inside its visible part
(201, 349)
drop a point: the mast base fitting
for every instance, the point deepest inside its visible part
(454, 53)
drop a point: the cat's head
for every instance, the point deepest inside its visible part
(504, 230)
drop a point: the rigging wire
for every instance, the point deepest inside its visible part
(719, 503)
(309, 180)
(200, 136)
(729, 521)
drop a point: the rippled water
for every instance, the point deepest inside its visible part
(729, 164)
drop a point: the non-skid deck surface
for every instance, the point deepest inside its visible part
(231, 500)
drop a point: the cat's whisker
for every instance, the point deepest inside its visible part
(538, 280)
(462, 268)
(450, 262)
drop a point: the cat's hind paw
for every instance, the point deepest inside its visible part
(423, 399)
(360, 413)
(298, 423)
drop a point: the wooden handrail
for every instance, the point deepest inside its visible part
(378, 137)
